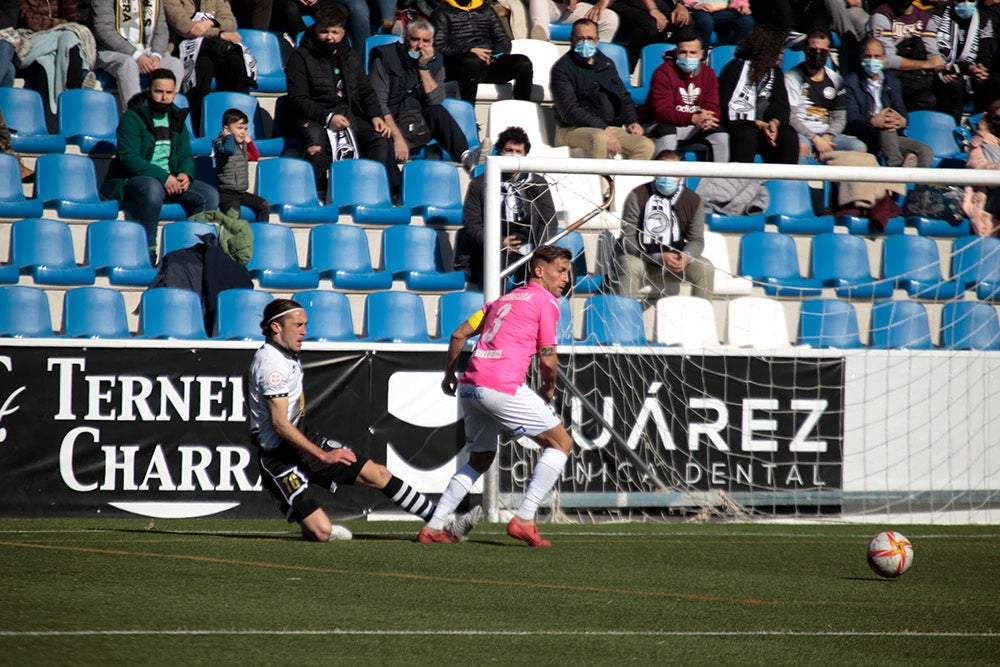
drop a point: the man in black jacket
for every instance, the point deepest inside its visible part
(476, 49)
(527, 212)
(337, 113)
(594, 111)
(409, 80)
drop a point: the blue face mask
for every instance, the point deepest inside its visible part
(965, 10)
(872, 66)
(585, 49)
(414, 54)
(688, 64)
(666, 185)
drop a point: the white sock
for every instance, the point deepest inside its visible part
(459, 486)
(546, 474)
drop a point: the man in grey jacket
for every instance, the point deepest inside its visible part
(132, 40)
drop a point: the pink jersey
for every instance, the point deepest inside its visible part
(515, 326)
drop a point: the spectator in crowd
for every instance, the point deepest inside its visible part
(683, 103)
(154, 163)
(663, 235)
(476, 49)
(756, 112)
(901, 27)
(6, 146)
(730, 20)
(337, 113)
(848, 18)
(817, 110)
(646, 22)
(9, 11)
(962, 38)
(210, 48)
(981, 204)
(876, 113)
(54, 51)
(527, 212)
(288, 16)
(593, 110)
(408, 80)
(132, 40)
(544, 12)
(234, 150)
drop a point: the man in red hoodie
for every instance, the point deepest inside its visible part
(683, 103)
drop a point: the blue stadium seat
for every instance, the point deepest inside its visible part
(969, 325)
(862, 226)
(619, 56)
(935, 227)
(378, 40)
(69, 183)
(742, 224)
(937, 130)
(465, 115)
(613, 319)
(455, 308)
(118, 249)
(772, 260)
(413, 255)
(275, 262)
(24, 111)
(239, 312)
(289, 185)
(560, 32)
(651, 58)
(912, 262)
(215, 104)
(397, 317)
(89, 119)
(183, 234)
(94, 312)
(719, 55)
(43, 249)
(9, 274)
(170, 312)
(564, 329)
(432, 189)
(792, 209)
(24, 312)
(341, 253)
(829, 323)
(792, 58)
(841, 261)
(329, 315)
(361, 188)
(13, 203)
(584, 282)
(900, 323)
(975, 262)
(266, 50)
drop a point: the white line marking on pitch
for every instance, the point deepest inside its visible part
(502, 633)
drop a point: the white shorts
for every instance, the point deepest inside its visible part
(489, 412)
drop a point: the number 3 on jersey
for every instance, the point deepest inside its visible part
(487, 336)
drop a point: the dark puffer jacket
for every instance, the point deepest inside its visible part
(458, 30)
(312, 85)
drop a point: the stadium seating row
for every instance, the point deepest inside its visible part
(394, 316)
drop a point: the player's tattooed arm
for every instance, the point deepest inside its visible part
(548, 364)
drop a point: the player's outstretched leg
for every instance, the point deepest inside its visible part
(458, 487)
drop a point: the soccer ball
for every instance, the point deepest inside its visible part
(890, 554)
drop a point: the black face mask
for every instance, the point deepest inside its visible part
(159, 107)
(816, 59)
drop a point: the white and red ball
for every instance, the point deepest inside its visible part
(890, 554)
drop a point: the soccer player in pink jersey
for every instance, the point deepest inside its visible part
(494, 396)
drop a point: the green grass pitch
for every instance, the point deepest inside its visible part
(128, 591)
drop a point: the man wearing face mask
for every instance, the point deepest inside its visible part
(901, 27)
(816, 102)
(662, 238)
(408, 80)
(594, 112)
(527, 212)
(683, 103)
(154, 163)
(876, 113)
(961, 37)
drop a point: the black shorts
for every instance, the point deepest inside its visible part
(288, 473)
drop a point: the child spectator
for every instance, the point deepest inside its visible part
(234, 149)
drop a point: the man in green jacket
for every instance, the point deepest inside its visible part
(154, 163)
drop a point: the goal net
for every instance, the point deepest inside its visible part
(765, 402)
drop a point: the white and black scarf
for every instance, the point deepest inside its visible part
(136, 21)
(948, 37)
(660, 226)
(189, 49)
(745, 100)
